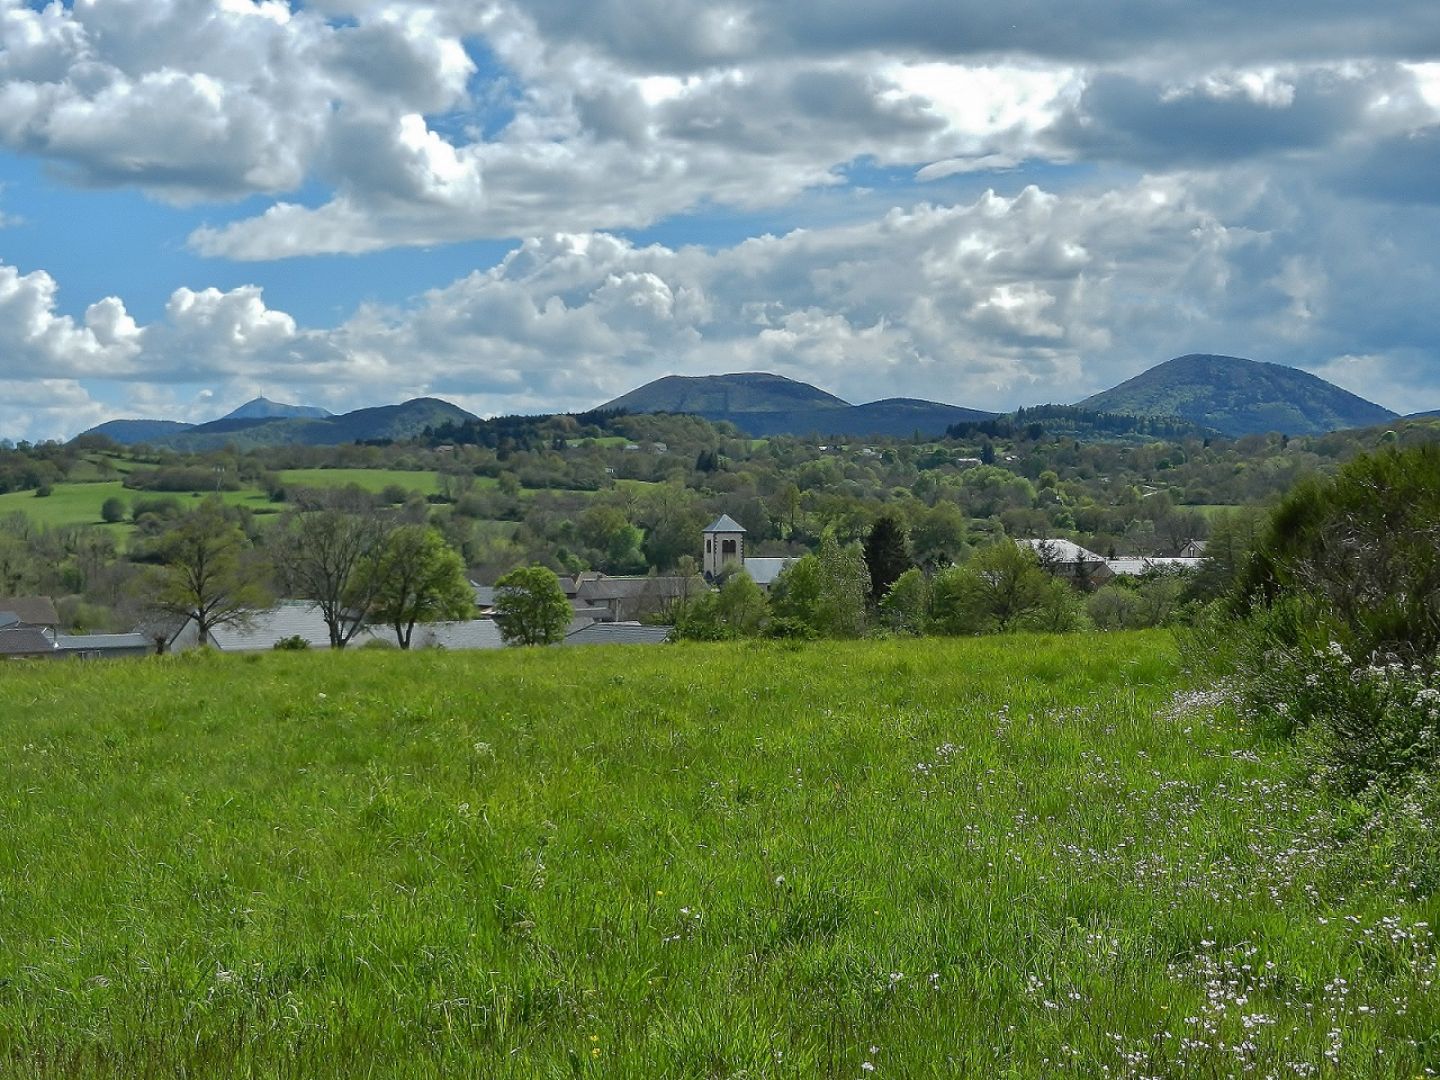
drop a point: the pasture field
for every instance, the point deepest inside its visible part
(1002, 857)
(79, 504)
(371, 480)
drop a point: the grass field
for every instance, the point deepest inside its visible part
(79, 504)
(985, 858)
(371, 480)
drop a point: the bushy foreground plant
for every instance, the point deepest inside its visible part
(1339, 620)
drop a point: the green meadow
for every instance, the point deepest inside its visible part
(80, 503)
(1002, 857)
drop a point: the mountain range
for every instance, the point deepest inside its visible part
(1226, 394)
(761, 404)
(266, 423)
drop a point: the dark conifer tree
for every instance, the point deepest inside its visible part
(887, 555)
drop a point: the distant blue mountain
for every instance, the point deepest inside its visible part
(761, 404)
(134, 432)
(264, 409)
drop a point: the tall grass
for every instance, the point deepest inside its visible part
(1019, 856)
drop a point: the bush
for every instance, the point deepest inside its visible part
(294, 643)
(1360, 555)
(1366, 724)
(1340, 621)
(112, 510)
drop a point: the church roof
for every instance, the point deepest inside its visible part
(726, 524)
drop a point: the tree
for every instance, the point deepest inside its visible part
(419, 579)
(1357, 556)
(324, 554)
(737, 609)
(1002, 588)
(530, 607)
(906, 605)
(112, 510)
(211, 574)
(887, 555)
(825, 592)
(938, 535)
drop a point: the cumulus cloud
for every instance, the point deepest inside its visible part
(1000, 301)
(429, 122)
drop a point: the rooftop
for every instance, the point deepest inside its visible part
(725, 524)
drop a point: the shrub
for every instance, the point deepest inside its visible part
(1360, 554)
(293, 643)
(112, 510)
(1366, 724)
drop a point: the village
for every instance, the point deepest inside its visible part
(605, 609)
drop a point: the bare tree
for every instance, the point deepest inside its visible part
(323, 554)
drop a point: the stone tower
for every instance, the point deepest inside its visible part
(724, 546)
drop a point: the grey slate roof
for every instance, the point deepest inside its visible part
(471, 634)
(765, 571)
(32, 610)
(1061, 551)
(618, 634)
(8, 618)
(290, 618)
(725, 524)
(627, 588)
(25, 642)
(116, 643)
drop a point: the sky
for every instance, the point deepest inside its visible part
(537, 205)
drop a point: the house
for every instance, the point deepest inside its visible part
(103, 646)
(29, 643)
(1068, 560)
(458, 636)
(25, 643)
(625, 633)
(1195, 549)
(32, 612)
(626, 599)
(484, 598)
(286, 620)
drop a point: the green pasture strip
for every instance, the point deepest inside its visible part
(1002, 857)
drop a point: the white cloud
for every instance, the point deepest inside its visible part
(994, 303)
(430, 122)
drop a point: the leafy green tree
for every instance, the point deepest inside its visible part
(741, 605)
(419, 579)
(211, 573)
(937, 537)
(826, 592)
(887, 555)
(112, 510)
(738, 609)
(1002, 587)
(1357, 555)
(906, 605)
(530, 607)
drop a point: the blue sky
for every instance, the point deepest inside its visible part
(529, 205)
